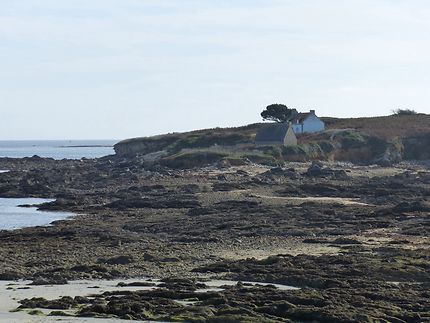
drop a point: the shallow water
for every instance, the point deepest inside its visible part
(14, 217)
(217, 284)
(57, 149)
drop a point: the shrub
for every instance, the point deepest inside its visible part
(404, 112)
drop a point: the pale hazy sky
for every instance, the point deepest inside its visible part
(73, 69)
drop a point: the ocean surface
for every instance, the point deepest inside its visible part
(57, 149)
(14, 217)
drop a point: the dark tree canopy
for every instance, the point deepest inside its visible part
(278, 112)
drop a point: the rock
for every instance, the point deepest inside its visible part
(384, 162)
(279, 171)
(416, 206)
(276, 171)
(120, 260)
(221, 177)
(181, 284)
(159, 203)
(136, 284)
(346, 241)
(10, 275)
(315, 240)
(318, 170)
(242, 172)
(53, 280)
(58, 313)
(225, 187)
(315, 170)
(63, 303)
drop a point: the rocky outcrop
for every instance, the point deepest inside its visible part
(417, 147)
(236, 146)
(144, 145)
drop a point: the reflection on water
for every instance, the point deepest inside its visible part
(14, 217)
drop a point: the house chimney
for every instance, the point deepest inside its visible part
(312, 111)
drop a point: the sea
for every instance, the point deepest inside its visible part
(13, 216)
(57, 149)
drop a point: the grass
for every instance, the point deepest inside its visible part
(388, 127)
(207, 140)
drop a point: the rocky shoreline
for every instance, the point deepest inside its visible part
(354, 240)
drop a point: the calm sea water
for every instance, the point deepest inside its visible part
(14, 217)
(57, 149)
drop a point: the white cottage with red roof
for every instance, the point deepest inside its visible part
(306, 122)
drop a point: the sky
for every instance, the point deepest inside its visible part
(98, 69)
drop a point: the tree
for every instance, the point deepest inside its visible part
(278, 112)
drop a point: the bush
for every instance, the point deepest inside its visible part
(404, 112)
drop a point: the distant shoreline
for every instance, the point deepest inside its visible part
(86, 146)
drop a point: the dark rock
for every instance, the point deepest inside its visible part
(225, 187)
(417, 206)
(159, 203)
(346, 241)
(136, 284)
(63, 303)
(10, 275)
(58, 313)
(120, 260)
(52, 280)
(318, 170)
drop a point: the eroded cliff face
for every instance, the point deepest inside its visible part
(143, 146)
(417, 147)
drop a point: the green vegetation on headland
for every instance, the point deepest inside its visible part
(382, 140)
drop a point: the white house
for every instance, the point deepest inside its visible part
(307, 122)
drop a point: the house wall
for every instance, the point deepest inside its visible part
(290, 138)
(311, 124)
(297, 128)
